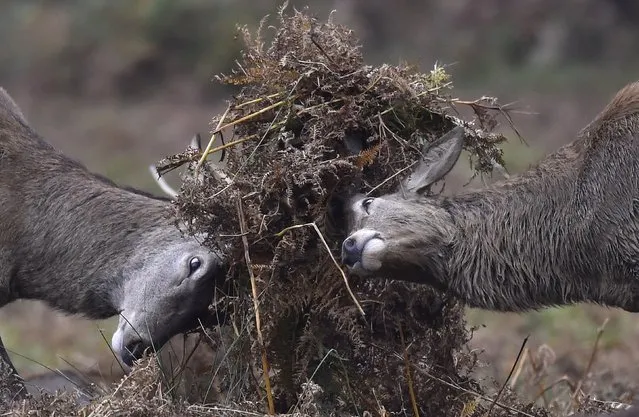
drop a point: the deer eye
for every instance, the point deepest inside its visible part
(366, 203)
(194, 264)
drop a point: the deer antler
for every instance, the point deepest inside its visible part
(161, 182)
(196, 143)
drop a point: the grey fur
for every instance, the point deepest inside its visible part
(84, 245)
(565, 231)
(629, 412)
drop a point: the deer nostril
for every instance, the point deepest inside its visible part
(133, 352)
(349, 243)
(350, 253)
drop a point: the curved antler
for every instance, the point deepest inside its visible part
(196, 143)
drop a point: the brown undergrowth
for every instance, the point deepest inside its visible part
(310, 124)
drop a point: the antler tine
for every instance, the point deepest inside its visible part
(161, 182)
(196, 143)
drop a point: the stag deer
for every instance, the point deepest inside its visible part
(566, 231)
(84, 245)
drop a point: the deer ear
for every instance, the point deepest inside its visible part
(439, 157)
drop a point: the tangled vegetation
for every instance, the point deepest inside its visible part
(311, 123)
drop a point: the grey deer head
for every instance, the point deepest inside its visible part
(379, 227)
(180, 290)
(167, 290)
(85, 245)
(562, 232)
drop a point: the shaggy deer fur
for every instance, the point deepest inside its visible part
(83, 245)
(630, 412)
(566, 231)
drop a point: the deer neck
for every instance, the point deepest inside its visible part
(510, 250)
(74, 250)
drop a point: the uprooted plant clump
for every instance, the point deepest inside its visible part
(312, 123)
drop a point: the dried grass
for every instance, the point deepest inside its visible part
(312, 122)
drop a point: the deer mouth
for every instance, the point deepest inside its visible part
(133, 352)
(362, 251)
(128, 344)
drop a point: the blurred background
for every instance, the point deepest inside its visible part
(119, 84)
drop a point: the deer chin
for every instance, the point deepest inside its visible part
(126, 349)
(370, 260)
(117, 343)
(372, 253)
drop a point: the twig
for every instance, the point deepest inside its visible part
(258, 100)
(504, 110)
(115, 356)
(409, 378)
(521, 349)
(323, 104)
(390, 178)
(207, 410)
(255, 114)
(82, 374)
(447, 84)
(348, 287)
(316, 43)
(471, 392)
(182, 367)
(260, 338)
(593, 354)
(542, 393)
(539, 377)
(520, 367)
(237, 142)
(55, 371)
(317, 368)
(270, 127)
(210, 144)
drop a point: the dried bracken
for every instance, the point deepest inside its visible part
(312, 122)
